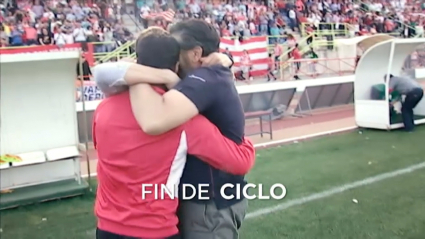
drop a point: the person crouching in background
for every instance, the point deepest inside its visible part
(413, 93)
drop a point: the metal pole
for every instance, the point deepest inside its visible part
(308, 100)
(387, 83)
(85, 123)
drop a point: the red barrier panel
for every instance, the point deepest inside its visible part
(50, 48)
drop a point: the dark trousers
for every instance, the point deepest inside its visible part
(32, 42)
(410, 102)
(100, 234)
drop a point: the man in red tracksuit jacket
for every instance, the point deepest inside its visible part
(128, 158)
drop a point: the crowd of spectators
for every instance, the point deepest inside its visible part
(277, 17)
(241, 19)
(284, 20)
(46, 22)
(367, 17)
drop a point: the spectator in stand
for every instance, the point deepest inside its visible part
(292, 16)
(38, 9)
(144, 13)
(79, 33)
(30, 35)
(389, 26)
(310, 33)
(271, 68)
(67, 30)
(4, 38)
(85, 68)
(108, 38)
(296, 54)
(59, 38)
(16, 36)
(263, 23)
(228, 53)
(91, 37)
(278, 51)
(291, 42)
(275, 33)
(45, 38)
(311, 54)
(246, 65)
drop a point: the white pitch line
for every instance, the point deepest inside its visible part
(304, 137)
(333, 191)
(283, 141)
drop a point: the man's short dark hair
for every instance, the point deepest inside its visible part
(194, 32)
(157, 48)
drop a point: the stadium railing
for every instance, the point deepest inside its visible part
(317, 68)
(328, 29)
(332, 67)
(125, 50)
(281, 39)
(271, 40)
(120, 52)
(304, 46)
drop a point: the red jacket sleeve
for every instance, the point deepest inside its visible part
(206, 142)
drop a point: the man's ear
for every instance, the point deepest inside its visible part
(197, 51)
(176, 68)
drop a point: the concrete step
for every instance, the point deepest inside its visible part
(42, 193)
(131, 25)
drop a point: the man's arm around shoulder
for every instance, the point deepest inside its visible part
(114, 77)
(191, 96)
(157, 114)
(206, 142)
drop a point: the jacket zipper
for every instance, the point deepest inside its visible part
(212, 182)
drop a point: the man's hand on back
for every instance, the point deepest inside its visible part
(217, 59)
(172, 79)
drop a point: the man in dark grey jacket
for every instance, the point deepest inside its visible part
(413, 93)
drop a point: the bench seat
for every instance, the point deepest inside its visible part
(259, 115)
